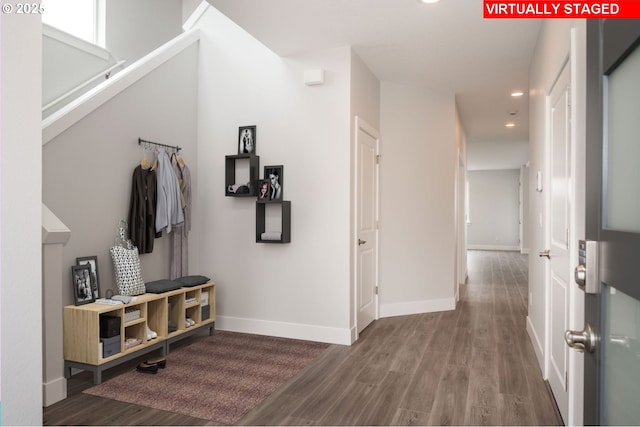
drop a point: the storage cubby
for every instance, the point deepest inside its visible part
(176, 313)
(284, 208)
(207, 299)
(134, 330)
(250, 161)
(84, 347)
(157, 317)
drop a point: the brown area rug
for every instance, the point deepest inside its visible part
(219, 378)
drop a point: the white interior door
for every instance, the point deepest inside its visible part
(559, 279)
(366, 223)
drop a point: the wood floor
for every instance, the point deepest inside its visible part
(472, 366)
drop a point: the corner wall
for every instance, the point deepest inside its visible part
(300, 289)
(417, 200)
(21, 219)
(365, 104)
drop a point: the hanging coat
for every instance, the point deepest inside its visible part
(142, 209)
(180, 237)
(169, 204)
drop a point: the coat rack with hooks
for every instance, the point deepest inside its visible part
(177, 148)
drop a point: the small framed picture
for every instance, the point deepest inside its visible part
(92, 262)
(247, 140)
(263, 189)
(81, 280)
(274, 174)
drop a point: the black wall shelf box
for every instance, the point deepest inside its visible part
(285, 219)
(230, 174)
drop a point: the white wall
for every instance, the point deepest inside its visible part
(365, 104)
(135, 28)
(21, 219)
(494, 201)
(68, 62)
(188, 7)
(87, 169)
(524, 199)
(299, 289)
(417, 200)
(552, 50)
(461, 204)
(497, 155)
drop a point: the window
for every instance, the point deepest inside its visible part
(81, 18)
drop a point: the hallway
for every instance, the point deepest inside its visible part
(474, 366)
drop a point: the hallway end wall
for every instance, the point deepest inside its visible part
(494, 200)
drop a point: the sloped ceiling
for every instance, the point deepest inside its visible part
(446, 45)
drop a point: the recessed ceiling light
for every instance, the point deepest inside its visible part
(510, 125)
(517, 93)
(429, 1)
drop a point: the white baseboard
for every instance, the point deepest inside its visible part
(417, 307)
(493, 248)
(537, 345)
(286, 330)
(54, 391)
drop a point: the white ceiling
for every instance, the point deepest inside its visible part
(447, 45)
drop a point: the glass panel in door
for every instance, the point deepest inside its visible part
(621, 358)
(619, 304)
(622, 146)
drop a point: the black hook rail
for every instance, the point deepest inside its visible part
(173, 147)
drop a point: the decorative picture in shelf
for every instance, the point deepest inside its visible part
(274, 175)
(247, 140)
(263, 189)
(92, 262)
(81, 280)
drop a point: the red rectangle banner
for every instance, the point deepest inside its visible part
(562, 9)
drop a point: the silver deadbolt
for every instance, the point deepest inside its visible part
(546, 253)
(581, 341)
(361, 242)
(580, 275)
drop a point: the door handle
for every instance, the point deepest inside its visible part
(361, 242)
(545, 253)
(585, 340)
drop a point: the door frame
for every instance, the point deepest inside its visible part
(361, 124)
(576, 59)
(567, 67)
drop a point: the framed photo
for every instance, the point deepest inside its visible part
(81, 281)
(263, 189)
(274, 174)
(92, 261)
(247, 140)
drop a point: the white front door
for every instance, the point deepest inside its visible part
(366, 239)
(559, 278)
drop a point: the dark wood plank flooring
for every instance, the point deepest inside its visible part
(472, 366)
